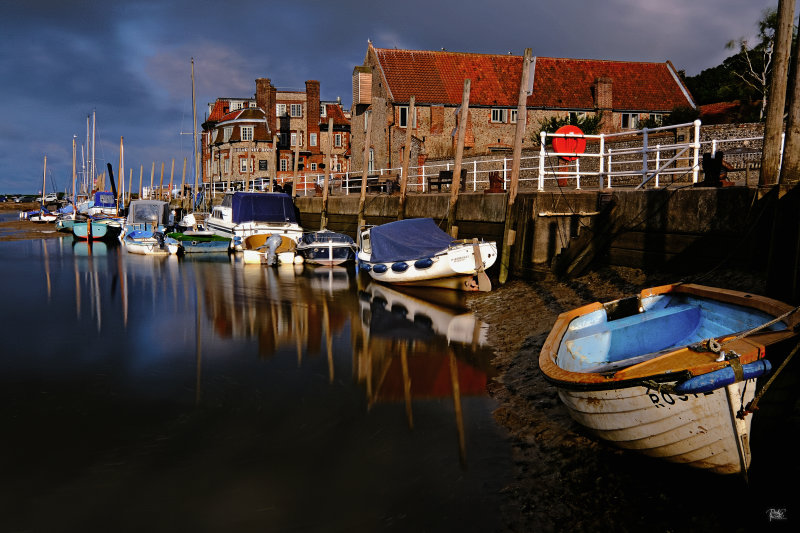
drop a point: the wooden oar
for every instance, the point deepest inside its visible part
(484, 283)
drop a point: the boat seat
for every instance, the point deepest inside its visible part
(631, 337)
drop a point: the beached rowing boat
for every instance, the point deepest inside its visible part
(670, 372)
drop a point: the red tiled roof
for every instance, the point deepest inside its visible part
(438, 78)
(335, 112)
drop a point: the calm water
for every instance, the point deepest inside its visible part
(153, 394)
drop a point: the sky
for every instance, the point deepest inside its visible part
(129, 61)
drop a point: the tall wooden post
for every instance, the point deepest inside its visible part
(273, 176)
(141, 175)
(773, 128)
(410, 122)
(161, 184)
(130, 185)
(323, 220)
(171, 177)
(790, 168)
(452, 229)
(121, 174)
(183, 180)
(152, 176)
(522, 115)
(364, 173)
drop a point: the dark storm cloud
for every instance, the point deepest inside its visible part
(130, 60)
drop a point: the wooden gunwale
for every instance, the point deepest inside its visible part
(678, 364)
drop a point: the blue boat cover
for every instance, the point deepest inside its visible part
(312, 237)
(262, 207)
(407, 240)
(104, 199)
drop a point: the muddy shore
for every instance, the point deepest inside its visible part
(566, 480)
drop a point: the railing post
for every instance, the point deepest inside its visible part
(505, 174)
(644, 154)
(475, 175)
(578, 174)
(696, 157)
(542, 139)
(609, 168)
(423, 178)
(713, 148)
(602, 158)
(658, 163)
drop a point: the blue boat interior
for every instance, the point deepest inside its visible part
(596, 343)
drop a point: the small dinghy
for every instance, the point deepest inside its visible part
(670, 372)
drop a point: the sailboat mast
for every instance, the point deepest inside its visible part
(44, 182)
(74, 175)
(94, 166)
(194, 121)
(88, 175)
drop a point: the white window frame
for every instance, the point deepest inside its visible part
(338, 167)
(337, 140)
(312, 139)
(280, 110)
(371, 166)
(402, 116)
(227, 132)
(629, 121)
(243, 165)
(323, 110)
(296, 110)
(284, 165)
(312, 166)
(512, 116)
(247, 133)
(227, 165)
(499, 115)
(658, 118)
(235, 106)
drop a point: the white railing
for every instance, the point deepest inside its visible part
(627, 159)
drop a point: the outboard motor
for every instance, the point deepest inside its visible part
(272, 244)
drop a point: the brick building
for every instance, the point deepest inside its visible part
(623, 93)
(249, 140)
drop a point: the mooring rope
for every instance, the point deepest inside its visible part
(757, 328)
(753, 405)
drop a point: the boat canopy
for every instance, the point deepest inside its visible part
(407, 240)
(104, 199)
(148, 211)
(313, 237)
(262, 207)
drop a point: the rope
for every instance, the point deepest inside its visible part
(757, 328)
(753, 405)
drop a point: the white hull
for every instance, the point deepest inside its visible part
(457, 262)
(700, 430)
(239, 232)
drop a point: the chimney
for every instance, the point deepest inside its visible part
(312, 109)
(265, 102)
(603, 102)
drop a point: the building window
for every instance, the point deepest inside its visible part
(323, 110)
(243, 166)
(247, 133)
(657, 118)
(499, 115)
(253, 104)
(576, 116)
(297, 110)
(338, 167)
(227, 166)
(228, 131)
(312, 139)
(313, 166)
(284, 165)
(297, 138)
(280, 110)
(630, 121)
(284, 139)
(512, 116)
(371, 167)
(236, 106)
(337, 140)
(402, 118)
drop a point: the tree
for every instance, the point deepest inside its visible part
(753, 65)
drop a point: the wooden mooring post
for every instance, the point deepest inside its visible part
(509, 233)
(463, 116)
(401, 209)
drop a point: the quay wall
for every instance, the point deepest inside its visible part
(684, 229)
